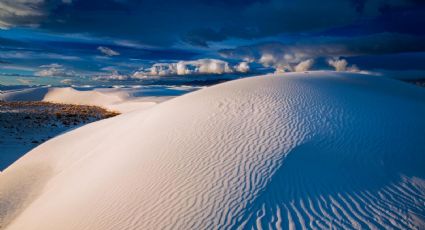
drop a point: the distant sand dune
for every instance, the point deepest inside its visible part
(317, 151)
(114, 99)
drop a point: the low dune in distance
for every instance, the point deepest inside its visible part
(122, 100)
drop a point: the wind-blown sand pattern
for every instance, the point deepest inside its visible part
(313, 151)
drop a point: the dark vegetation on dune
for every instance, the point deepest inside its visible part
(40, 112)
(26, 124)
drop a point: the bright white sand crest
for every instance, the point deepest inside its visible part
(318, 150)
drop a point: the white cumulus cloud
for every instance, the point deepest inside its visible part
(211, 66)
(180, 68)
(342, 65)
(286, 62)
(304, 65)
(200, 66)
(242, 67)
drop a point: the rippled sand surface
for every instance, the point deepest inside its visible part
(317, 151)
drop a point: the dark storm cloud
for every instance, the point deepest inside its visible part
(308, 16)
(404, 20)
(402, 61)
(91, 48)
(151, 22)
(165, 22)
(385, 43)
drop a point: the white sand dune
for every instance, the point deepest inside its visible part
(319, 150)
(114, 100)
(30, 94)
(121, 99)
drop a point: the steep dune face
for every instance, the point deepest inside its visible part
(318, 150)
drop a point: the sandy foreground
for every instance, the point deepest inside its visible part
(319, 150)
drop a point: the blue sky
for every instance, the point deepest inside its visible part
(129, 39)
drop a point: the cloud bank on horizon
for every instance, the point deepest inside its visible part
(128, 39)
